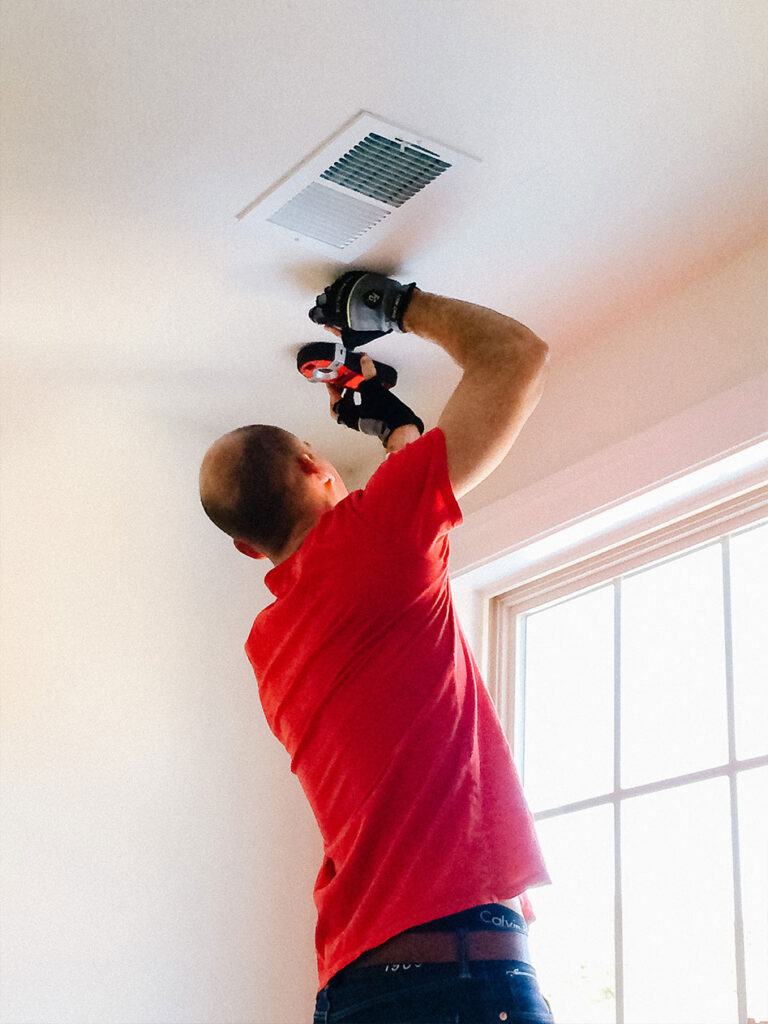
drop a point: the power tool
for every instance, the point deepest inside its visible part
(323, 362)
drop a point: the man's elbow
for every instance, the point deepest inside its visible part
(538, 350)
(532, 356)
(519, 357)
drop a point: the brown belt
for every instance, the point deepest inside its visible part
(445, 947)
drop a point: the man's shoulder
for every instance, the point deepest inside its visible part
(410, 493)
(419, 453)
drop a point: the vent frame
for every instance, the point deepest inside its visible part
(296, 205)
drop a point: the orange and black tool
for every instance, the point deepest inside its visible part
(323, 362)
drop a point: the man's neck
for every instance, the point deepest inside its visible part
(299, 534)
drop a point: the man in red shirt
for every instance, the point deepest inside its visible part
(365, 676)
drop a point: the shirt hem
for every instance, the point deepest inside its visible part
(439, 910)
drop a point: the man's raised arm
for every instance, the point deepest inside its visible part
(504, 366)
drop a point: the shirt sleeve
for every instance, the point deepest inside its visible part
(409, 497)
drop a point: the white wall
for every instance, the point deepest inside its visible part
(158, 856)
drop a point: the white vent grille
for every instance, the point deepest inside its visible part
(327, 216)
(342, 197)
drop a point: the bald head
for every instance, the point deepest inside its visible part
(250, 485)
(221, 467)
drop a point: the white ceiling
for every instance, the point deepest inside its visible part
(623, 150)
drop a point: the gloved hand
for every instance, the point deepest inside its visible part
(379, 412)
(363, 306)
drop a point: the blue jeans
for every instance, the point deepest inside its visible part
(465, 992)
(495, 991)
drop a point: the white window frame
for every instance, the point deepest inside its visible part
(505, 620)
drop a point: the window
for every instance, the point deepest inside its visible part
(634, 686)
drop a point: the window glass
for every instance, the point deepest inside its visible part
(749, 604)
(673, 695)
(572, 939)
(753, 836)
(678, 919)
(569, 700)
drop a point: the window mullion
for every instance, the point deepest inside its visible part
(519, 625)
(738, 914)
(618, 896)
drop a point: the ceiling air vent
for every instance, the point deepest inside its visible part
(345, 195)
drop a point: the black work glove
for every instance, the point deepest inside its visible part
(379, 413)
(363, 306)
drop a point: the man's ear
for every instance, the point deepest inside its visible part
(309, 467)
(307, 464)
(245, 549)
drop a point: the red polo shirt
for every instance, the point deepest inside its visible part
(365, 677)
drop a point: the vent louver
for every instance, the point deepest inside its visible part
(339, 200)
(327, 216)
(385, 169)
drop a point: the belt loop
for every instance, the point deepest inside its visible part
(322, 1007)
(462, 937)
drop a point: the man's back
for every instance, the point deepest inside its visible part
(367, 680)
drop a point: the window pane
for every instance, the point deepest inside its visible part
(572, 938)
(679, 950)
(569, 700)
(673, 697)
(753, 836)
(749, 602)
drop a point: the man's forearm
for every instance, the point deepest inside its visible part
(472, 335)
